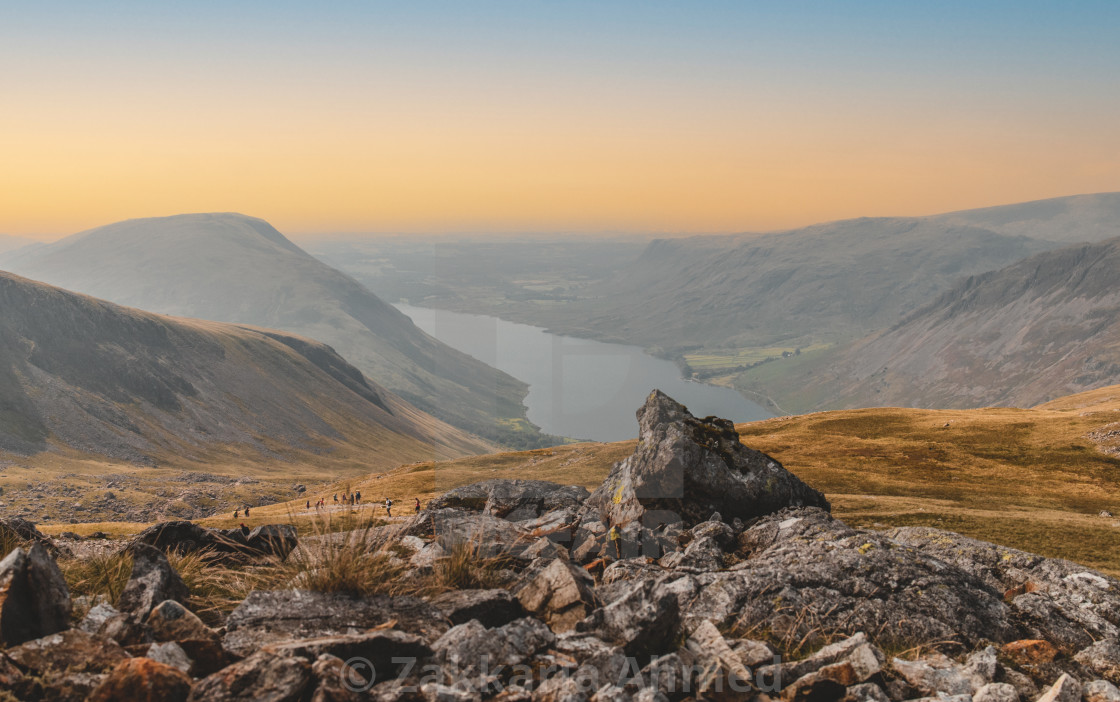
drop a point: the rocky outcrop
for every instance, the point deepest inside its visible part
(34, 598)
(153, 580)
(183, 537)
(515, 500)
(687, 469)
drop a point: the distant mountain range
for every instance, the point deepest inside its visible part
(233, 268)
(11, 243)
(83, 375)
(1042, 328)
(825, 283)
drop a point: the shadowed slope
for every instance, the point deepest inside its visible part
(233, 268)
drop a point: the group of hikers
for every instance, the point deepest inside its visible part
(349, 499)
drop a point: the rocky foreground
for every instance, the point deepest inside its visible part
(728, 580)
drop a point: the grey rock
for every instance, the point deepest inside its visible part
(379, 648)
(471, 647)
(561, 595)
(273, 540)
(490, 607)
(643, 621)
(170, 653)
(1100, 691)
(486, 535)
(982, 667)
(72, 650)
(96, 617)
(34, 598)
(335, 681)
(152, 581)
(270, 617)
(1065, 689)
(934, 674)
(514, 500)
(811, 571)
(702, 555)
(1067, 604)
(865, 692)
(608, 661)
(1103, 658)
(996, 692)
(684, 469)
(262, 677)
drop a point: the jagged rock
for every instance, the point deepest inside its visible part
(34, 598)
(262, 677)
(610, 693)
(170, 653)
(334, 681)
(630, 569)
(96, 617)
(598, 660)
(171, 621)
(562, 594)
(471, 648)
(828, 655)
(515, 500)
(722, 533)
(273, 540)
(72, 650)
(384, 649)
(1066, 603)
(809, 567)
(143, 680)
(982, 667)
(1103, 658)
(996, 692)
(427, 556)
(178, 536)
(1066, 689)
(1030, 651)
(25, 530)
(934, 675)
(685, 469)
(670, 673)
(643, 621)
(1100, 691)
(866, 692)
(490, 607)
(486, 535)
(753, 654)
(702, 555)
(126, 629)
(268, 617)
(153, 580)
(723, 668)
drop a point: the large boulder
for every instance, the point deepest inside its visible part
(178, 537)
(1056, 600)
(187, 537)
(272, 540)
(805, 572)
(561, 595)
(515, 500)
(263, 676)
(273, 617)
(152, 581)
(686, 469)
(34, 598)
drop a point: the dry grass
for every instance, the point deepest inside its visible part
(1027, 478)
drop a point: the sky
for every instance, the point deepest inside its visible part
(581, 117)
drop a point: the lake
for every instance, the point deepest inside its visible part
(578, 388)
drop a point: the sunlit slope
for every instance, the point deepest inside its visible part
(233, 268)
(1034, 479)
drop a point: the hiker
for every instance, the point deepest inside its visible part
(336, 498)
(309, 504)
(236, 513)
(244, 529)
(616, 538)
(358, 497)
(246, 511)
(417, 505)
(388, 506)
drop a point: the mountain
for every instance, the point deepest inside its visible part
(233, 268)
(1042, 328)
(11, 243)
(820, 284)
(85, 377)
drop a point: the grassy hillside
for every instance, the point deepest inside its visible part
(107, 410)
(233, 268)
(1034, 479)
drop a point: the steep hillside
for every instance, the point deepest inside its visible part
(233, 268)
(87, 386)
(823, 283)
(1046, 327)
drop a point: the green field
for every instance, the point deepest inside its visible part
(736, 358)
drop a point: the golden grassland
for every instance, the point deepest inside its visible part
(1033, 479)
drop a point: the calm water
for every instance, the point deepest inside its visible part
(578, 388)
